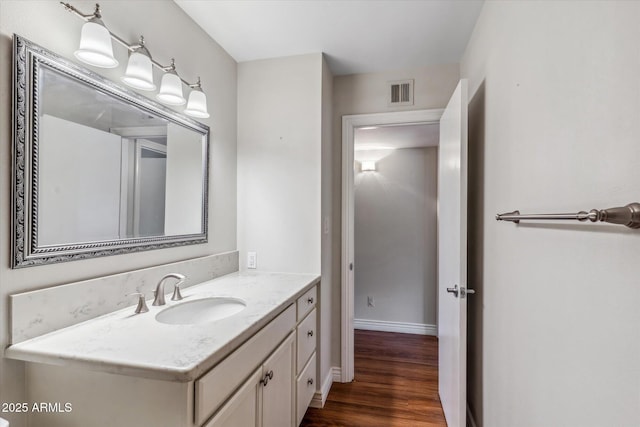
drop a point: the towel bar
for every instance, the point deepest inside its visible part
(628, 215)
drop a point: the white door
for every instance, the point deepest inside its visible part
(452, 258)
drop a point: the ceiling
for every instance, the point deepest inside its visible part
(396, 136)
(357, 36)
(75, 101)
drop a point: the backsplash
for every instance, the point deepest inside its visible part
(39, 312)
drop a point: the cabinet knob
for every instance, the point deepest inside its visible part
(310, 381)
(310, 333)
(310, 300)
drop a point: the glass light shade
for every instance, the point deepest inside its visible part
(95, 46)
(171, 90)
(368, 165)
(197, 105)
(139, 72)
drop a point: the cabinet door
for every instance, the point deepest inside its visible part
(243, 408)
(277, 393)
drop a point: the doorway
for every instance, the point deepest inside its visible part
(353, 125)
(395, 228)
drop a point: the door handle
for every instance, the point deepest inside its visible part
(464, 292)
(454, 291)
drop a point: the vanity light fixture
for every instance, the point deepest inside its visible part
(197, 105)
(96, 49)
(171, 87)
(139, 72)
(95, 42)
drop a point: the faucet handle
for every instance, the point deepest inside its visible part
(177, 296)
(142, 304)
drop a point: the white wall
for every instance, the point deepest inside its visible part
(48, 24)
(396, 238)
(284, 131)
(75, 210)
(366, 93)
(183, 205)
(279, 161)
(554, 128)
(327, 286)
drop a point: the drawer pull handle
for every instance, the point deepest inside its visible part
(310, 381)
(268, 376)
(310, 333)
(310, 300)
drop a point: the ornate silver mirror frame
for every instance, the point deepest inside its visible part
(26, 251)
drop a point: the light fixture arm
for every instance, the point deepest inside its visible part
(171, 68)
(137, 46)
(96, 14)
(197, 85)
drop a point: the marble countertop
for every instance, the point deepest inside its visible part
(136, 344)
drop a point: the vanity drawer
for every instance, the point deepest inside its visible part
(215, 386)
(306, 302)
(305, 388)
(306, 337)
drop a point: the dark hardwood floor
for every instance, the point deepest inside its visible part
(396, 384)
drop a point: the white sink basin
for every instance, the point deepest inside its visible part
(201, 311)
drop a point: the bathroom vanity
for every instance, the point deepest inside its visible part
(256, 367)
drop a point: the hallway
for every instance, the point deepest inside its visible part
(396, 384)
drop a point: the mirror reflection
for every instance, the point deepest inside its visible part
(98, 169)
(110, 170)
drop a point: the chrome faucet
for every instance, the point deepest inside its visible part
(159, 292)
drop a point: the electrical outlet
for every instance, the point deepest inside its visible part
(252, 260)
(325, 225)
(371, 302)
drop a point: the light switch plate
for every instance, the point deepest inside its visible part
(252, 260)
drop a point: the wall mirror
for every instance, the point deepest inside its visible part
(98, 169)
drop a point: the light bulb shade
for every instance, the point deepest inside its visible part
(367, 165)
(171, 90)
(139, 72)
(197, 105)
(95, 46)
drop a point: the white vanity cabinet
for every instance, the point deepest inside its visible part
(214, 387)
(278, 394)
(306, 334)
(266, 398)
(267, 381)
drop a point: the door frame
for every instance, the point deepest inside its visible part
(349, 125)
(139, 145)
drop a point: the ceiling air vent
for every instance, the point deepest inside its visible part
(400, 92)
